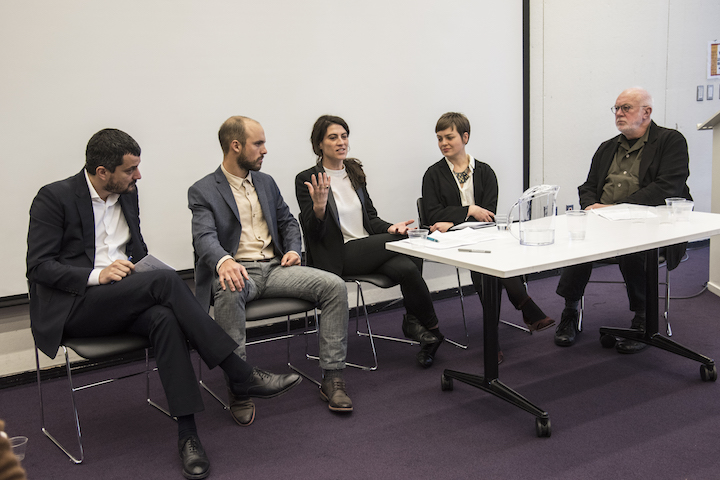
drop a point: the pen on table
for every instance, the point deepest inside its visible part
(432, 239)
(472, 250)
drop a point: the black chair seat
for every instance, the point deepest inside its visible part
(265, 308)
(377, 279)
(93, 348)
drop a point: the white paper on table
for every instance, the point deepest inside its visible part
(149, 263)
(624, 211)
(457, 238)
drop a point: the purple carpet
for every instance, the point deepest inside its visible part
(613, 416)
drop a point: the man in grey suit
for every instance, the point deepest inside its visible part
(247, 245)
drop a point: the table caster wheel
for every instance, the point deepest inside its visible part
(607, 341)
(708, 373)
(542, 427)
(446, 383)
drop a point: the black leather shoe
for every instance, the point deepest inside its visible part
(262, 384)
(332, 390)
(195, 463)
(631, 346)
(566, 331)
(426, 355)
(414, 330)
(242, 410)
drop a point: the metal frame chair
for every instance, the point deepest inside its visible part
(380, 281)
(666, 283)
(265, 309)
(96, 348)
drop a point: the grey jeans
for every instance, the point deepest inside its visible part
(270, 279)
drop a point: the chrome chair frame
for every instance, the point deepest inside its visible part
(94, 349)
(264, 309)
(666, 283)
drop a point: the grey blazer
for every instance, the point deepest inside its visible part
(216, 224)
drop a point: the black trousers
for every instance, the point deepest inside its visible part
(160, 306)
(574, 279)
(369, 255)
(514, 287)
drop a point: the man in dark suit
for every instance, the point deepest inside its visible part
(247, 245)
(643, 165)
(84, 232)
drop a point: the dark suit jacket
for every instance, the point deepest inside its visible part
(441, 197)
(61, 253)
(323, 238)
(664, 169)
(216, 224)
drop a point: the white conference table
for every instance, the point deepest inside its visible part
(604, 239)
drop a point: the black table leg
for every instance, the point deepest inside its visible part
(651, 336)
(490, 382)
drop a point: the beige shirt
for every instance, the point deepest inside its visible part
(255, 240)
(623, 178)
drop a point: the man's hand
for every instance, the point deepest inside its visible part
(400, 228)
(480, 214)
(116, 271)
(290, 259)
(597, 205)
(441, 226)
(234, 274)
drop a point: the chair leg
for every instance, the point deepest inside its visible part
(148, 371)
(462, 308)
(666, 314)
(208, 389)
(580, 314)
(522, 328)
(72, 397)
(308, 356)
(359, 297)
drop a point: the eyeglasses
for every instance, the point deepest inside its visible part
(625, 108)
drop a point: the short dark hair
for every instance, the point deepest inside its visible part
(320, 129)
(107, 148)
(453, 119)
(233, 129)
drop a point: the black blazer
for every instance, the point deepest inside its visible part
(441, 197)
(664, 169)
(61, 253)
(323, 238)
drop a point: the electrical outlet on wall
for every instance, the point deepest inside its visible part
(710, 91)
(700, 91)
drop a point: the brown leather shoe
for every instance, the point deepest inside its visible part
(539, 325)
(242, 410)
(332, 390)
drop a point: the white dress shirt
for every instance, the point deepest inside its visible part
(111, 232)
(348, 205)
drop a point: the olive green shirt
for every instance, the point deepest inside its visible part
(623, 177)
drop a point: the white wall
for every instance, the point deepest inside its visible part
(170, 72)
(585, 54)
